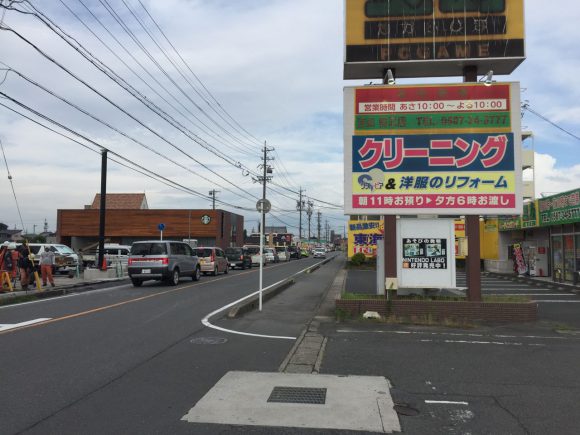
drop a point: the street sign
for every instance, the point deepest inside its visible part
(161, 227)
(263, 205)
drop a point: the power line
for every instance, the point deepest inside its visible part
(526, 106)
(144, 125)
(12, 184)
(147, 172)
(80, 109)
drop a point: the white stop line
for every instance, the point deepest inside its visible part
(8, 326)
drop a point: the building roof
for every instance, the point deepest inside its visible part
(278, 230)
(121, 201)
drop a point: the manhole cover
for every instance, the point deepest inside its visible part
(208, 340)
(308, 396)
(404, 409)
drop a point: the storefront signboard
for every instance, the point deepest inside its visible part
(432, 149)
(560, 209)
(430, 38)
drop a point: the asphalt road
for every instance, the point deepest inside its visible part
(136, 360)
(128, 360)
(494, 379)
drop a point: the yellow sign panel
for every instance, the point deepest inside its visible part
(405, 35)
(363, 236)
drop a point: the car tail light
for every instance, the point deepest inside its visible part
(212, 257)
(130, 261)
(241, 257)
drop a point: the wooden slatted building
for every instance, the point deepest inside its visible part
(129, 219)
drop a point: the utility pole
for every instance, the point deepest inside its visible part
(212, 194)
(309, 211)
(318, 215)
(45, 225)
(266, 171)
(102, 208)
(300, 207)
(326, 231)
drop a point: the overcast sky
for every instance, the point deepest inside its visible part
(274, 66)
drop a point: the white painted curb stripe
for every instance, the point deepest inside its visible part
(207, 323)
(445, 402)
(7, 327)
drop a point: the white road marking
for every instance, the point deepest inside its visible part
(501, 343)
(445, 402)
(9, 326)
(207, 323)
(555, 301)
(542, 337)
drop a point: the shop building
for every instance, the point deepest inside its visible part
(128, 219)
(545, 239)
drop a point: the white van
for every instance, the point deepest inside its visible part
(66, 259)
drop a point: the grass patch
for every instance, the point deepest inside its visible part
(507, 299)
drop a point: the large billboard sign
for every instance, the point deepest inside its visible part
(428, 38)
(442, 149)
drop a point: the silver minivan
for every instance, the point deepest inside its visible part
(165, 260)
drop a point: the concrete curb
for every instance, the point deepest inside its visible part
(60, 290)
(307, 354)
(253, 302)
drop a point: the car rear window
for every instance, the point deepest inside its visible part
(280, 249)
(149, 249)
(253, 250)
(233, 251)
(204, 252)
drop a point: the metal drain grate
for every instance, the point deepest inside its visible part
(307, 396)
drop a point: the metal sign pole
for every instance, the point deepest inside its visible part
(261, 256)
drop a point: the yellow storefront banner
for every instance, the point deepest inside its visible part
(404, 183)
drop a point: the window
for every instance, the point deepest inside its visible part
(483, 6)
(177, 249)
(397, 8)
(149, 249)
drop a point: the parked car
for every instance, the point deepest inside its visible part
(294, 252)
(254, 251)
(165, 260)
(66, 260)
(271, 255)
(319, 253)
(283, 253)
(115, 252)
(213, 260)
(239, 257)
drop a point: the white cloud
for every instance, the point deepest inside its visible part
(551, 178)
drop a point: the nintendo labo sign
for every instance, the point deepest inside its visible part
(426, 38)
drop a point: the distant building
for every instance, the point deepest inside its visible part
(120, 201)
(7, 235)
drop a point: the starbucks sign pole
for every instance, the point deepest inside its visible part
(263, 206)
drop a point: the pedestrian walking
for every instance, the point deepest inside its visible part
(24, 265)
(46, 264)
